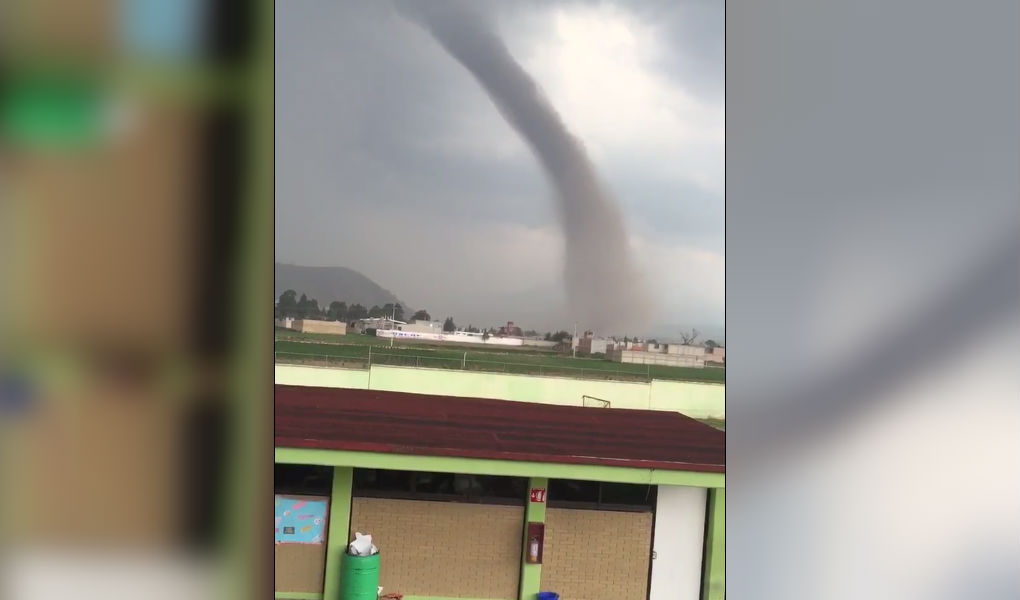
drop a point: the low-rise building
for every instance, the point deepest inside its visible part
(314, 326)
(674, 355)
(685, 349)
(590, 344)
(363, 326)
(421, 326)
(554, 498)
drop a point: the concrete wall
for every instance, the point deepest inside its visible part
(443, 549)
(322, 377)
(684, 350)
(678, 543)
(522, 388)
(657, 358)
(298, 567)
(597, 555)
(699, 400)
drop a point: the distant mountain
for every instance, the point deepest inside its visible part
(327, 284)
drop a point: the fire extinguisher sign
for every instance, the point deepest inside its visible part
(537, 495)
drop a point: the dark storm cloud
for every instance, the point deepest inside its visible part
(357, 102)
(697, 49)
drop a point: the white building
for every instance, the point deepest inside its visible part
(590, 344)
(675, 355)
(377, 323)
(418, 326)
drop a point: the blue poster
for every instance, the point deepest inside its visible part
(300, 520)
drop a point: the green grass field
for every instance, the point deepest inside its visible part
(717, 423)
(357, 339)
(354, 350)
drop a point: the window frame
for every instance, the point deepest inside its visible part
(468, 497)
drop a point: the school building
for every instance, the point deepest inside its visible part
(487, 499)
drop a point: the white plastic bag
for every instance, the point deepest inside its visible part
(362, 545)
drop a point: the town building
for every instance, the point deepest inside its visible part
(492, 499)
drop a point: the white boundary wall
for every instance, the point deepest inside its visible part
(456, 337)
(698, 400)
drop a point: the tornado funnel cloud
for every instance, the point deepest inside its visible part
(603, 288)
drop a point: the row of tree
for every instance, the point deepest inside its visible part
(559, 336)
(292, 306)
(303, 307)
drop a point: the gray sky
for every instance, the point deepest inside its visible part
(392, 160)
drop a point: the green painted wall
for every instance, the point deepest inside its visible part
(699, 400)
(478, 466)
(339, 528)
(531, 575)
(714, 576)
(322, 377)
(522, 388)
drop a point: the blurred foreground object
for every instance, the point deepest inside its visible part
(873, 225)
(135, 198)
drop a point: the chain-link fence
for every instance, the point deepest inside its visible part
(463, 363)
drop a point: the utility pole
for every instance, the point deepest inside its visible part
(393, 322)
(573, 342)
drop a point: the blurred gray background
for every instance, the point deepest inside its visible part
(873, 299)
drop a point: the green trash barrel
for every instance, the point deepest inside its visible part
(359, 577)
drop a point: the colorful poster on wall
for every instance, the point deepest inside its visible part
(300, 520)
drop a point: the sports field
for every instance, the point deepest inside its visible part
(360, 350)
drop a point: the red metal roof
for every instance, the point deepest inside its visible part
(417, 424)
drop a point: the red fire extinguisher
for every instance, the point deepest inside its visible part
(536, 534)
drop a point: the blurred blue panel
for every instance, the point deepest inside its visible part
(16, 395)
(161, 29)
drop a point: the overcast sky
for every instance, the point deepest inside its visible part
(391, 160)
